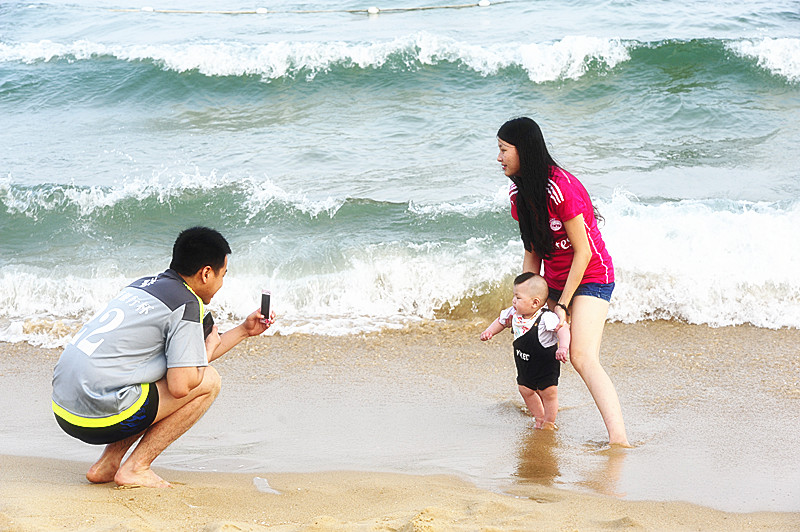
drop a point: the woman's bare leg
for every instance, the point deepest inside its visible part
(588, 318)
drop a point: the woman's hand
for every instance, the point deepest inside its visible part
(562, 316)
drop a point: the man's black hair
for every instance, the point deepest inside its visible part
(198, 247)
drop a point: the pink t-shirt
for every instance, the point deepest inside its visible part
(567, 199)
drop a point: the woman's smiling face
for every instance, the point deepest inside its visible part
(508, 158)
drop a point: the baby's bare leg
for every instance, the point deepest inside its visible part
(549, 398)
(533, 403)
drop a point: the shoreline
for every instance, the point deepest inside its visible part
(434, 412)
(41, 494)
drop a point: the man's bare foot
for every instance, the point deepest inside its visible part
(145, 478)
(102, 471)
(548, 425)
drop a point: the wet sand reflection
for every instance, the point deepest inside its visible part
(546, 459)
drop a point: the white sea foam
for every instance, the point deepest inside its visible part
(569, 57)
(708, 262)
(467, 208)
(705, 262)
(780, 56)
(262, 194)
(383, 285)
(46, 309)
(386, 285)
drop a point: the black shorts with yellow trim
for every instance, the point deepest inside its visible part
(100, 431)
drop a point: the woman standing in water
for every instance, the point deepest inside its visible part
(558, 228)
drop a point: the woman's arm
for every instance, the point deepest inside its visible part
(564, 338)
(531, 262)
(582, 254)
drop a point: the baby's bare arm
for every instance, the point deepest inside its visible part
(492, 329)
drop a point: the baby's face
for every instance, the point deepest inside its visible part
(524, 303)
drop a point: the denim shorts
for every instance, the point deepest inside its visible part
(601, 290)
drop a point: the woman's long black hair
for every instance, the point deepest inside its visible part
(534, 173)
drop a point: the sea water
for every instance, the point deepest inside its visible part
(350, 158)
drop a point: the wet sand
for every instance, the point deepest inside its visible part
(426, 424)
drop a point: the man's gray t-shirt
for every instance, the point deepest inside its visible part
(152, 325)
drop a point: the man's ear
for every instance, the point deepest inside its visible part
(205, 273)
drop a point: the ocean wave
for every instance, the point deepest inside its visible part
(571, 57)
(259, 195)
(88, 201)
(467, 208)
(253, 197)
(568, 58)
(780, 56)
(710, 262)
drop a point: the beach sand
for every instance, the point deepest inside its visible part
(44, 494)
(423, 429)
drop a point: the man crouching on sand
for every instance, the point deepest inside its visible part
(139, 368)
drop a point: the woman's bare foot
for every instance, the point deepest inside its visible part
(145, 478)
(624, 445)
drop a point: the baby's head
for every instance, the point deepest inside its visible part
(530, 293)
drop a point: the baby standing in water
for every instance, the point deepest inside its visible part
(539, 346)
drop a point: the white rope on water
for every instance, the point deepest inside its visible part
(264, 11)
